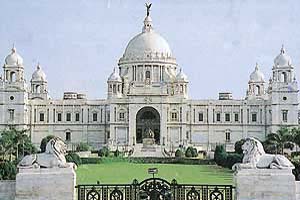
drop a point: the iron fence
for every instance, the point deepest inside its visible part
(155, 189)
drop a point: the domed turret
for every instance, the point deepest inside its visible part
(13, 68)
(257, 75)
(181, 76)
(114, 83)
(282, 59)
(256, 85)
(13, 58)
(39, 87)
(38, 74)
(115, 76)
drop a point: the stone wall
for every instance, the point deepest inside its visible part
(265, 184)
(297, 190)
(7, 190)
(46, 184)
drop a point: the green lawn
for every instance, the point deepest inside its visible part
(125, 172)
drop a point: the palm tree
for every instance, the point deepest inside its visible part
(280, 140)
(13, 142)
(296, 135)
(19, 139)
(7, 143)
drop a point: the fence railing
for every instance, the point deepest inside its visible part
(155, 189)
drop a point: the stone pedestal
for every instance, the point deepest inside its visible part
(148, 142)
(265, 184)
(46, 184)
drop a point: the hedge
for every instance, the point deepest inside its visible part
(295, 154)
(225, 159)
(92, 160)
(296, 171)
(82, 146)
(8, 170)
(172, 160)
(73, 157)
(104, 152)
(179, 153)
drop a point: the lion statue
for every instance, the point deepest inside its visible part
(256, 157)
(54, 156)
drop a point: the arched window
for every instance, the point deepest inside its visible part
(38, 89)
(148, 74)
(68, 136)
(257, 90)
(227, 136)
(13, 77)
(284, 77)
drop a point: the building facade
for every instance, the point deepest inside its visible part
(147, 103)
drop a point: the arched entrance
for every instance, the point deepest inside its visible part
(147, 121)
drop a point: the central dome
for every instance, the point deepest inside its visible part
(147, 43)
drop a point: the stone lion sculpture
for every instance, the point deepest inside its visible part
(54, 156)
(256, 157)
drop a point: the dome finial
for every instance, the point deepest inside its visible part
(282, 51)
(38, 66)
(148, 6)
(13, 50)
(148, 21)
(256, 66)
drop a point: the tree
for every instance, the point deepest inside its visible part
(45, 141)
(296, 135)
(16, 143)
(238, 146)
(279, 140)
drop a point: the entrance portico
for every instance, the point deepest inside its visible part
(147, 125)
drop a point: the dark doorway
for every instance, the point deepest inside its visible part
(147, 118)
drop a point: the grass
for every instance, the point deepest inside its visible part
(125, 172)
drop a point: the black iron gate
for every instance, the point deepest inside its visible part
(155, 189)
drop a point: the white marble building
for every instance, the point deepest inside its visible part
(148, 90)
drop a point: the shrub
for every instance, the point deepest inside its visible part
(220, 154)
(225, 159)
(238, 146)
(231, 159)
(188, 152)
(117, 153)
(191, 152)
(178, 153)
(73, 157)
(295, 154)
(45, 141)
(104, 152)
(92, 160)
(296, 171)
(194, 152)
(8, 171)
(82, 146)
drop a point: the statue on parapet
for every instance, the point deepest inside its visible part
(255, 157)
(54, 156)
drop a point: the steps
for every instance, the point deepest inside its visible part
(147, 151)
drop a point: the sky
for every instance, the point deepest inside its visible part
(215, 42)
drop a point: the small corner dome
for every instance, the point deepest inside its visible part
(13, 58)
(181, 76)
(115, 76)
(282, 59)
(257, 75)
(38, 74)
